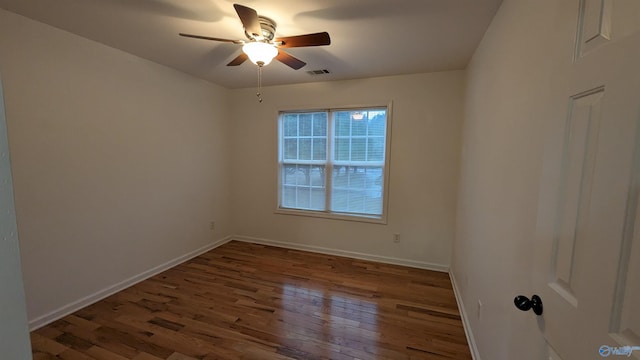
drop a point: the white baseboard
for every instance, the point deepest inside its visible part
(99, 295)
(475, 354)
(351, 254)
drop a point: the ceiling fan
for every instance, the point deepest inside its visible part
(261, 45)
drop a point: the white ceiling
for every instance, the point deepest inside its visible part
(368, 37)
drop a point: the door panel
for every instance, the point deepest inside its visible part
(14, 332)
(581, 143)
(588, 262)
(603, 21)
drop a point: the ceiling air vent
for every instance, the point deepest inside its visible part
(318, 72)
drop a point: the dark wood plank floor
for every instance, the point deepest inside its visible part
(247, 301)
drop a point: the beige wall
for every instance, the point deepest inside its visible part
(119, 164)
(497, 204)
(425, 143)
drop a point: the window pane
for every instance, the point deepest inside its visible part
(291, 125)
(377, 123)
(290, 149)
(304, 197)
(320, 124)
(317, 176)
(289, 196)
(375, 149)
(289, 174)
(373, 205)
(342, 149)
(303, 187)
(358, 149)
(303, 175)
(357, 190)
(339, 200)
(317, 199)
(359, 127)
(340, 176)
(357, 178)
(343, 124)
(356, 201)
(320, 149)
(305, 149)
(304, 121)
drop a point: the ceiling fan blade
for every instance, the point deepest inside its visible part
(238, 60)
(317, 39)
(250, 20)
(289, 60)
(211, 38)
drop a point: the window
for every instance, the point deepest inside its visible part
(333, 162)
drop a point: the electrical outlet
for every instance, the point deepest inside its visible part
(479, 309)
(396, 237)
(212, 225)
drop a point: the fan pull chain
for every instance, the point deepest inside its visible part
(259, 95)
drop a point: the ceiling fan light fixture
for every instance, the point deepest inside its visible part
(260, 53)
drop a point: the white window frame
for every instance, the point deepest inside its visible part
(329, 164)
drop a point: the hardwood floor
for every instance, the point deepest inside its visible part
(247, 301)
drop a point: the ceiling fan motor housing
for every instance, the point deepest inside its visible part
(268, 27)
(262, 45)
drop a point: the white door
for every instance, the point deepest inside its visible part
(14, 333)
(587, 263)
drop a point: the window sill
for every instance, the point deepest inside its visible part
(333, 216)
